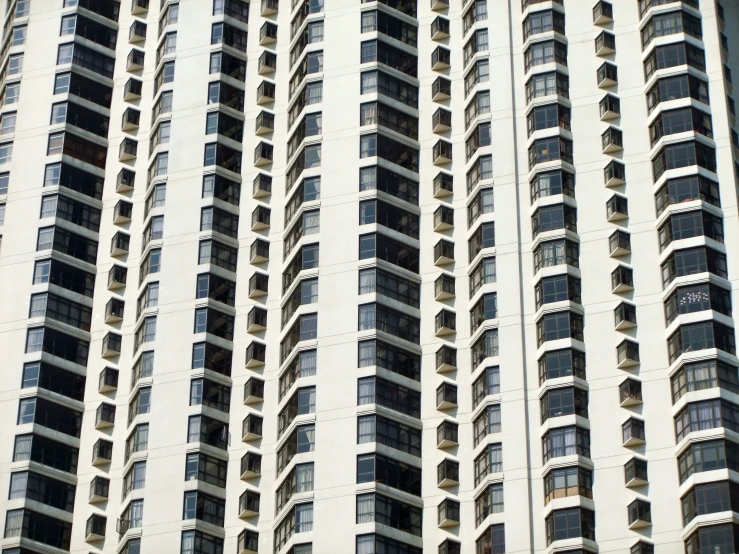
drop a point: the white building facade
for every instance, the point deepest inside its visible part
(372, 277)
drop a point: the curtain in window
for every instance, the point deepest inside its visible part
(45, 238)
(493, 380)
(367, 354)
(157, 226)
(556, 444)
(496, 458)
(368, 179)
(367, 280)
(314, 93)
(365, 508)
(491, 343)
(206, 219)
(368, 114)
(150, 329)
(486, 201)
(368, 146)
(303, 549)
(366, 544)
(307, 362)
(366, 391)
(569, 442)
(369, 52)
(494, 419)
(486, 167)
(366, 429)
(38, 305)
(304, 478)
(188, 543)
(13, 523)
(367, 317)
(311, 222)
(22, 448)
(303, 518)
(137, 513)
(369, 82)
(193, 432)
(18, 484)
(496, 499)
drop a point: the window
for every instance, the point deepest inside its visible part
(197, 542)
(671, 23)
(140, 403)
(489, 502)
(11, 94)
(566, 441)
(480, 73)
(390, 472)
(383, 83)
(487, 423)
(388, 149)
(15, 63)
(672, 55)
(691, 261)
(545, 52)
(304, 328)
(716, 538)
(378, 543)
(298, 520)
(199, 466)
(686, 225)
(709, 414)
(377, 245)
(556, 252)
(208, 356)
(708, 456)
(483, 238)
(378, 178)
(485, 347)
(550, 149)
(375, 390)
(564, 401)
(378, 51)
(547, 84)
(483, 273)
(695, 376)
(217, 253)
(542, 22)
(207, 430)
(134, 479)
(383, 430)
(709, 498)
(301, 439)
(559, 325)
(489, 461)
(701, 336)
(6, 152)
(569, 524)
(387, 320)
(386, 24)
(548, 116)
(486, 384)
(378, 508)
(568, 481)
(381, 354)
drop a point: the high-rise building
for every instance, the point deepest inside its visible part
(371, 277)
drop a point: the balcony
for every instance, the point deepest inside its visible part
(447, 473)
(267, 33)
(627, 354)
(257, 320)
(265, 123)
(132, 89)
(130, 119)
(445, 323)
(602, 13)
(441, 59)
(251, 428)
(443, 219)
(443, 252)
(448, 512)
(260, 218)
(251, 465)
(610, 107)
(607, 75)
(640, 514)
(605, 44)
(266, 91)
(619, 243)
(629, 392)
(444, 287)
(442, 153)
(108, 381)
(120, 244)
(614, 174)
(441, 121)
(127, 150)
(248, 542)
(443, 185)
(612, 140)
(262, 186)
(105, 416)
(125, 180)
(441, 89)
(99, 489)
(122, 212)
(117, 277)
(617, 208)
(635, 473)
(253, 391)
(439, 28)
(263, 154)
(111, 345)
(114, 310)
(633, 432)
(267, 63)
(102, 452)
(269, 7)
(446, 396)
(450, 547)
(446, 359)
(625, 316)
(622, 279)
(255, 355)
(95, 528)
(259, 251)
(447, 434)
(249, 504)
(258, 285)
(135, 60)
(139, 6)
(137, 31)
(439, 5)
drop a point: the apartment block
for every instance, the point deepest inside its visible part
(370, 277)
